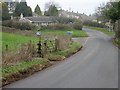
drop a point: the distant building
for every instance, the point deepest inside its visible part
(63, 13)
(38, 20)
(83, 17)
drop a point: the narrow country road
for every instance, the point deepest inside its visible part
(96, 66)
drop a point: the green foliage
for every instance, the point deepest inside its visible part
(113, 11)
(52, 11)
(37, 10)
(110, 11)
(5, 12)
(22, 8)
(29, 11)
(18, 25)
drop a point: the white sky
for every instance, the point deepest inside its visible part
(82, 6)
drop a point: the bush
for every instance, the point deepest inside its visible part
(7, 23)
(18, 25)
(78, 25)
(94, 24)
(58, 26)
(64, 20)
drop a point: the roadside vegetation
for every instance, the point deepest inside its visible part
(23, 69)
(110, 33)
(15, 38)
(61, 55)
(25, 60)
(24, 52)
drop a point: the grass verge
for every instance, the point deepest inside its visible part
(61, 55)
(23, 69)
(27, 68)
(110, 33)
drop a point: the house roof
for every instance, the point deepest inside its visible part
(66, 13)
(83, 17)
(40, 19)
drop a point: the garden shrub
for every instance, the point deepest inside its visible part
(64, 20)
(58, 26)
(78, 25)
(18, 25)
(94, 24)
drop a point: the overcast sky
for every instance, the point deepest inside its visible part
(82, 6)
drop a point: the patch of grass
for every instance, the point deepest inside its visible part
(60, 55)
(75, 33)
(55, 57)
(72, 48)
(22, 66)
(14, 41)
(110, 33)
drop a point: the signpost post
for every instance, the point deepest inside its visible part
(70, 33)
(39, 44)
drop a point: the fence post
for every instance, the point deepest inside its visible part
(39, 49)
(56, 43)
(6, 46)
(45, 48)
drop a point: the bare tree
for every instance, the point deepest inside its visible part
(48, 4)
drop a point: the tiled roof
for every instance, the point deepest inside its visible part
(83, 17)
(40, 19)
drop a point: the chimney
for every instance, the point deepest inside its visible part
(11, 17)
(21, 16)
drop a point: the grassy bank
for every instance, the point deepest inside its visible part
(110, 33)
(26, 68)
(14, 40)
(23, 69)
(22, 66)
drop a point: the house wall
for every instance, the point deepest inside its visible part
(42, 23)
